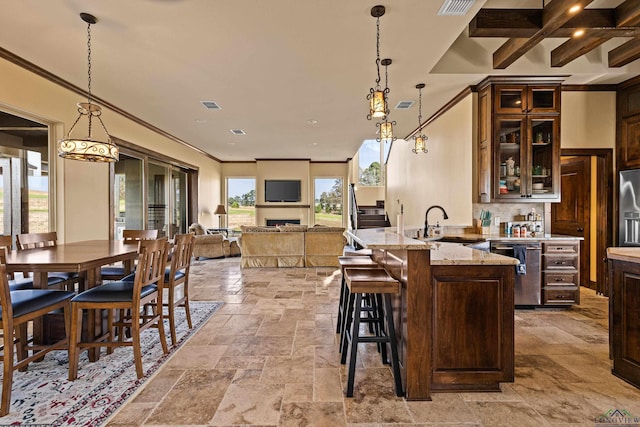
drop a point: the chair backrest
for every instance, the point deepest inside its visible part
(152, 261)
(182, 252)
(5, 247)
(135, 235)
(36, 240)
(5, 296)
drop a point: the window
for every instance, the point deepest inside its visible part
(328, 201)
(369, 164)
(24, 174)
(241, 202)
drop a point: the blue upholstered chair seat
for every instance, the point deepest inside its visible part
(112, 270)
(20, 284)
(28, 301)
(113, 292)
(63, 275)
(131, 277)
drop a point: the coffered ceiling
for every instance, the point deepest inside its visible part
(294, 75)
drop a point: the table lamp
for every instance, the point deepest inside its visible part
(220, 210)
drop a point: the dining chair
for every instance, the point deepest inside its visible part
(17, 309)
(176, 279)
(15, 284)
(57, 279)
(131, 298)
(117, 271)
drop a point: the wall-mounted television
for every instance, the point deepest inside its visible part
(282, 190)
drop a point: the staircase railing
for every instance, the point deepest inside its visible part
(353, 207)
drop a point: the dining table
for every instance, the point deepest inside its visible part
(85, 258)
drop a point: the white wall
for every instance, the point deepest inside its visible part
(82, 187)
(442, 177)
(588, 120)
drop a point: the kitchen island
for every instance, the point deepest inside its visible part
(624, 312)
(454, 314)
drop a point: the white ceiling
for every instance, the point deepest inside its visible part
(272, 66)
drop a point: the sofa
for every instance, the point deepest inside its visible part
(291, 246)
(208, 245)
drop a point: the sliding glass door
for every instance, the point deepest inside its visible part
(155, 200)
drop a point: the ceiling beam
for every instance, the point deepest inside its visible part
(554, 16)
(574, 48)
(625, 53)
(523, 23)
(628, 13)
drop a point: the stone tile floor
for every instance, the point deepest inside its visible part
(269, 357)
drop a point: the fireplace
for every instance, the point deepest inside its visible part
(274, 222)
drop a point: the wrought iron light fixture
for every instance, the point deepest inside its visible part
(377, 97)
(88, 149)
(385, 129)
(420, 140)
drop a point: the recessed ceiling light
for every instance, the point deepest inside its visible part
(578, 33)
(312, 121)
(575, 8)
(201, 121)
(238, 132)
(315, 143)
(211, 105)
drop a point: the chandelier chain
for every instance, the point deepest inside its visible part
(378, 52)
(419, 107)
(89, 73)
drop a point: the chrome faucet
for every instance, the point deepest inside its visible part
(426, 218)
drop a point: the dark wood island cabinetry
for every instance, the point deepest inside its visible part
(454, 315)
(624, 312)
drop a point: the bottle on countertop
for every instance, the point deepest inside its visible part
(516, 230)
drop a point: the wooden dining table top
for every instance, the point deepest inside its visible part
(76, 256)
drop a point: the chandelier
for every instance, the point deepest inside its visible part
(377, 97)
(420, 140)
(385, 129)
(88, 149)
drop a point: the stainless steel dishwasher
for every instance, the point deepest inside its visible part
(528, 291)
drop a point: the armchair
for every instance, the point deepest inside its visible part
(208, 245)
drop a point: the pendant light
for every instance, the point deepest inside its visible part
(420, 140)
(377, 97)
(88, 149)
(385, 129)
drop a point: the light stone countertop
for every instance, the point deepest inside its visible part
(629, 254)
(441, 253)
(457, 254)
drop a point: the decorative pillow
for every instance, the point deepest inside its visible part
(325, 229)
(293, 227)
(258, 229)
(196, 229)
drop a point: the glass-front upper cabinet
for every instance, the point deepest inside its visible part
(526, 99)
(524, 157)
(510, 156)
(544, 171)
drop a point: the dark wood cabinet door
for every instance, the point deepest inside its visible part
(624, 328)
(484, 146)
(629, 148)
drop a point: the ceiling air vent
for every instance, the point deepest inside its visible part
(238, 132)
(210, 105)
(404, 105)
(455, 7)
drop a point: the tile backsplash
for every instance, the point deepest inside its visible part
(508, 212)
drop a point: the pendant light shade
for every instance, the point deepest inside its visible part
(385, 129)
(420, 140)
(377, 96)
(88, 148)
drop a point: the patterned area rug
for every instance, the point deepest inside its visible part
(44, 396)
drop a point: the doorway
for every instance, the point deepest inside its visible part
(586, 210)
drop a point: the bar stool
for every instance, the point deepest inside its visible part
(379, 283)
(349, 262)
